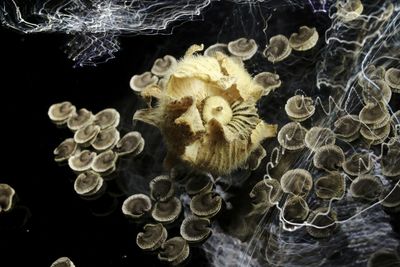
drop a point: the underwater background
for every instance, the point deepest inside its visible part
(49, 220)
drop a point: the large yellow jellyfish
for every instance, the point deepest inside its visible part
(206, 112)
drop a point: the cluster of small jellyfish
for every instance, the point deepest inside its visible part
(345, 149)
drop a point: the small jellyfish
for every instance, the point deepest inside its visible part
(390, 198)
(374, 115)
(60, 113)
(106, 118)
(295, 209)
(375, 91)
(206, 204)
(105, 162)
(152, 237)
(384, 258)
(82, 161)
(392, 78)
(63, 262)
(218, 47)
(358, 163)
(195, 229)
(297, 182)
(161, 188)
(390, 160)
(330, 186)
(371, 72)
(82, 118)
(88, 183)
(267, 192)
(168, 211)
(175, 250)
(347, 128)
(299, 108)
(305, 39)
(86, 135)
(278, 48)
(349, 10)
(291, 136)
(139, 82)
(7, 194)
(366, 187)
(163, 66)
(268, 80)
(319, 136)
(65, 150)
(198, 184)
(255, 158)
(323, 223)
(136, 206)
(106, 139)
(375, 136)
(130, 143)
(243, 48)
(328, 157)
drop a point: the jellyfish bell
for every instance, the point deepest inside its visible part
(7, 194)
(206, 204)
(349, 10)
(299, 108)
(131, 143)
(198, 184)
(390, 160)
(268, 80)
(375, 136)
(82, 118)
(375, 91)
(295, 209)
(105, 162)
(243, 48)
(371, 72)
(392, 78)
(328, 157)
(384, 257)
(152, 237)
(63, 262)
(291, 136)
(367, 187)
(330, 186)
(218, 47)
(86, 135)
(106, 118)
(175, 250)
(278, 48)
(163, 66)
(297, 182)
(347, 128)
(106, 139)
(65, 150)
(267, 192)
(88, 183)
(195, 229)
(168, 211)
(374, 114)
(139, 82)
(59, 113)
(305, 39)
(390, 198)
(136, 206)
(161, 188)
(322, 223)
(319, 136)
(82, 161)
(255, 158)
(358, 163)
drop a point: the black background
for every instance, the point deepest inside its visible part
(37, 73)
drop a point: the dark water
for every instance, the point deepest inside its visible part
(50, 220)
